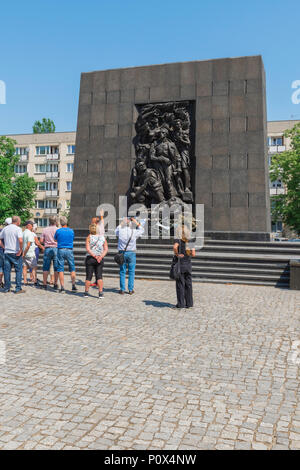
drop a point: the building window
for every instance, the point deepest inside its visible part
(70, 167)
(21, 150)
(277, 184)
(52, 168)
(41, 186)
(71, 149)
(42, 222)
(275, 141)
(39, 204)
(43, 150)
(51, 186)
(69, 185)
(40, 168)
(20, 169)
(277, 226)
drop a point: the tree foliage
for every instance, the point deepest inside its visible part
(286, 167)
(44, 127)
(17, 192)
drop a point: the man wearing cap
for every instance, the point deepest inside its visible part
(11, 240)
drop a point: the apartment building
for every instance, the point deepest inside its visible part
(49, 159)
(278, 143)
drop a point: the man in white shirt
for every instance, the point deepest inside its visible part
(29, 246)
(128, 232)
(11, 239)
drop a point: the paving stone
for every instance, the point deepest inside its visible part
(133, 373)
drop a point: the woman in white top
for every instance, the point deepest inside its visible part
(96, 248)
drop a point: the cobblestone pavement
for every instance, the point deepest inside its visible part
(131, 372)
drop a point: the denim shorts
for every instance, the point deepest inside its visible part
(65, 254)
(1, 261)
(50, 254)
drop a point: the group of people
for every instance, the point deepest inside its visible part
(20, 250)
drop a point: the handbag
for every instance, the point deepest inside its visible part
(175, 270)
(119, 257)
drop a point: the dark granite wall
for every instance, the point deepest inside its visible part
(230, 137)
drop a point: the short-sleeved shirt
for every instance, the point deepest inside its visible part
(48, 236)
(126, 233)
(29, 236)
(10, 236)
(64, 237)
(182, 251)
(96, 245)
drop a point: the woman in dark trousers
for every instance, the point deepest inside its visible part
(184, 289)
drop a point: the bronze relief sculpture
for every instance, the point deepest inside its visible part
(162, 170)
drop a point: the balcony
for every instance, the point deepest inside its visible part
(52, 156)
(276, 191)
(52, 175)
(24, 158)
(276, 148)
(50, 211)
(52, 193)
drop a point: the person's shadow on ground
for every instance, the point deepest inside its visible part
(156, 303)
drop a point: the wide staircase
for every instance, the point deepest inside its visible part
(235, 262)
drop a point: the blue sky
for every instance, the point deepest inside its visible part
(44, 46)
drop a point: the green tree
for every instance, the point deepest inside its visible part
(44, 127)
(8, 160)
(23, 196)
(17, 192)
(286, 167)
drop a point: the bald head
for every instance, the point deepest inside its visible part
(16, 220)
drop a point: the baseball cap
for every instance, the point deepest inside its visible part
(8, 221)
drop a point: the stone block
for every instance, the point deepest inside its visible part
(203, 126)
(256, 160)
(238, 124)
(220, 162)
(99, 81)
(220, 126)
(125, 113)
(220, 88)
(112, 113)
(238, 161)
(221, 69)
(167, 93)
(111, 130)
(295, 274)
(97, 115)
(238, 180)
(204, 108)
(239, 218)
(257, 200)
(204, 89)
(86, 82)
(127, 96)
(220, 108)
(188, 92)
(113, 79)
(188, 73)
(99, 97)
(221, 218)
(142, 95)
(239, 200)
(221, 200)
(113, 96)
(220, 181)
(237, 106)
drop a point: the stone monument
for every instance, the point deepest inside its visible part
(195, 131)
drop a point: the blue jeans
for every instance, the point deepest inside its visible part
(1, 261)
(65, 254)
(130, 262)
(12, 260)
(50, 254)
